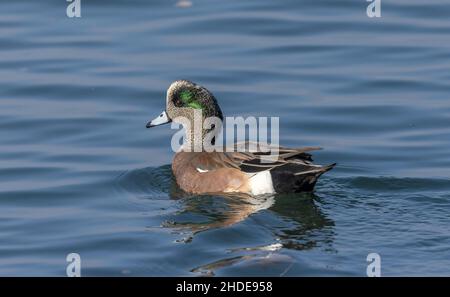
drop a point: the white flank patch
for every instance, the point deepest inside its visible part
(261, 183)
(201, 170)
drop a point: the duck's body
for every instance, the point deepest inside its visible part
(246, 172)
(237, 172)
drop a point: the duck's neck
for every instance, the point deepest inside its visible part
(200, 139)
(198, 142)
(201, 131)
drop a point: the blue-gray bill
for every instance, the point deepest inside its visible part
(159, 120)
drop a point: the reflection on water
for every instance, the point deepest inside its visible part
(302, 224)
(310, 227)
(202, 213)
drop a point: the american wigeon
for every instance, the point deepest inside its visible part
(232, 172)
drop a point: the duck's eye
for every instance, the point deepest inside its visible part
(177, 102)
(183, 98)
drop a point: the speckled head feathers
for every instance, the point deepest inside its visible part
(183, 97)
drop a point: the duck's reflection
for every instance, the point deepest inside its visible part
(206, 212)
(299, 224)
(311, 226)
(291, 221)
(303, 219)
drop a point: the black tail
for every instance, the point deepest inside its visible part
(295, 178)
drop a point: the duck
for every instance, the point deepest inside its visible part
(246, 172)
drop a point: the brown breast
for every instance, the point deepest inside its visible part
(207, 173)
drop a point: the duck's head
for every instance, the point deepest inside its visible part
(183, 99)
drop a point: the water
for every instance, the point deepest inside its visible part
(80, 173)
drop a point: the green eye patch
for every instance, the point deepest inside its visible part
(186, 96)
(189, 100)
(195, 105)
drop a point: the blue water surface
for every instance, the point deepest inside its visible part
(80, 173)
